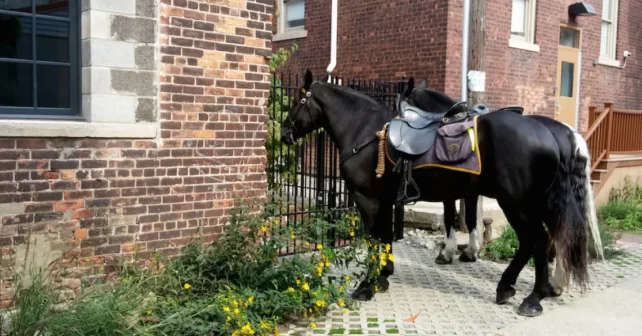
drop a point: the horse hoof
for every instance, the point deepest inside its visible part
(552, 292)
(465, 258)
(530, 309)
(441, 260)
(504, 292)
(383, 283)
(363, 293)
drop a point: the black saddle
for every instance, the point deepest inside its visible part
(414, 132)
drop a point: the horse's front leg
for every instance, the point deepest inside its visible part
(448, 253)
(383, 225)
(471, 251)
(368, 208)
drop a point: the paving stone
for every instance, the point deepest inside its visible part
(458, 299)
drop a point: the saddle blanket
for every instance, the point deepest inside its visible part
(456, 148)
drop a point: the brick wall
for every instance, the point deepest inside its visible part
(92, 201)
(527, 78)
(377, 39)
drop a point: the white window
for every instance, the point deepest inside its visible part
(522, 25)
(291, 20)
(609, 30)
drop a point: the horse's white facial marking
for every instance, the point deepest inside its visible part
(451, 245)
(473, 244)
(560, 278)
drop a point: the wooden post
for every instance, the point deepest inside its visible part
(592, 115)
(609, 130)
(477, 61)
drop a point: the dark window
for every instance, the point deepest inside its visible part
(39, 58)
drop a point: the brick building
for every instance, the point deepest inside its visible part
(126, 126)
(537, 56)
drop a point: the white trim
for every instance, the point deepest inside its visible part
(281, 22)
(76, 129)
(579, 85)
(521, 44)
(603, 60)
(608, 57)
(290, 35)
(529, 19)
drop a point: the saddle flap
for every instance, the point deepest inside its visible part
(410, 140)
(516, 109)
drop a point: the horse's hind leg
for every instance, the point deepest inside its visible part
(531, 305)
(383, 225)
(519, 221)
(470, 253)
(447, 254)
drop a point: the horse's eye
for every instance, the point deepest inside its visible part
(303, 101)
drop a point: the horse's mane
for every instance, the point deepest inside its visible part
(360, 95)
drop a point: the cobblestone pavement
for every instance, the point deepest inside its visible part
(456, 299)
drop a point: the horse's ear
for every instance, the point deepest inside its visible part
(308, 79)
(423, 85)
(411, 83)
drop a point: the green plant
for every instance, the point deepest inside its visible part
(282, 158)
(235, 287)
(504, 247)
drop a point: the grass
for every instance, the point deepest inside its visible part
(504, 247)
(338, 331)
(392, 331)
(355, 332)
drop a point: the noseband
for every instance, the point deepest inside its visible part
(304, 101)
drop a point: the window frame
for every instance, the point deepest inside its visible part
(73, 112)
(610, 56)
(284, 33)
(526, 42)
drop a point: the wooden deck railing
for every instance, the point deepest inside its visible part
(599, 134)
(627, 132)
(613, 131)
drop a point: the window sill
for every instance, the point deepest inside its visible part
(519, 44)
(76, 129)
(290, 35)
(608, 62)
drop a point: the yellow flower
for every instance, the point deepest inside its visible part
(306, 287)
(228, 319)
(293, 236)
(277, 221)
(354, 222)
(313, 325)
(149, 312)
(342, 289)
(291, 290)
(187, 286)
(351, 233)
(383, 263)
(226, 309)
(341, 303)
(319, 246)
(298, 282)
(345, 312)
(348, 278)
(320, 303)
(388, 247)
(327, 264)
(391, 257)
(264, 228)
(376, 289)
(250, 299)
(237, 311)
(306, 244)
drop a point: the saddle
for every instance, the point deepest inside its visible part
(414, 132)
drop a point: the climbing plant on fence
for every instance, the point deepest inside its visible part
(282, 158)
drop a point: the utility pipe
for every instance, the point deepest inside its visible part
(333, 38)
(464, 50)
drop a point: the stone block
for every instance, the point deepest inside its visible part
(114, 54)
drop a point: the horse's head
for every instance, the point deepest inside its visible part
(303, 116)
(428, 100)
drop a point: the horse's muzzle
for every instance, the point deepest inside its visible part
(288, 138)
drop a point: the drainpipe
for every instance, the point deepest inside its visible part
(464, 51)
(333, 38)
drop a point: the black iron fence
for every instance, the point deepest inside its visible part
(305, 179)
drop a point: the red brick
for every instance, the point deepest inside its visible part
(62, 206)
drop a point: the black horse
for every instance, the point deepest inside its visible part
(523, 168)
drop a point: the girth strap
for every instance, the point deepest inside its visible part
(357, 149)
